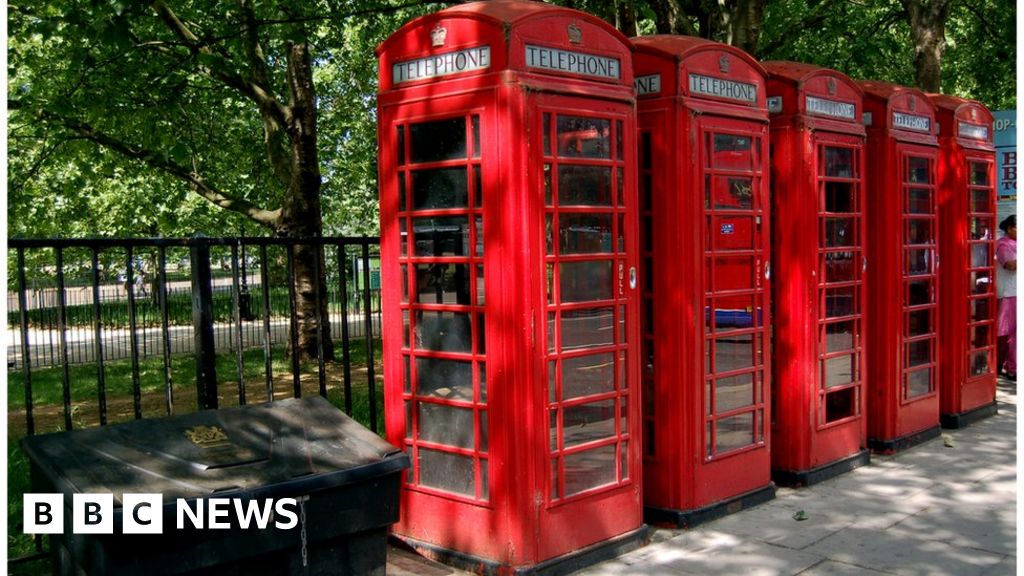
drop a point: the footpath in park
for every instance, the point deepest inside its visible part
(945, 507)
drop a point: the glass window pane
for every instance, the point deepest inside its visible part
(448, 472)
(919, 383)
(584, 185)
(588, 375)
(839, 371)
(919, 261)
(840, 404)
(919, 201)
(732, 152)
(556, 489)
(478, 224)
(840, 232)
(438, 140)
(587, 423)
(476, 135)
(919, 292)
(408, 420)
(981, 310)
(584, 233)
(446, 425)
(981, 201)
(734, 353)
(733, 193)
(919, 171)
(979, 363)
(733, 273)
(731, 312)
(919, 353)
(581, 137)
(403, 234)
(919, 323)
(589, 469)
(839, 163)
(981, 228)
(402, 206)
(449, 379)
(734, 392)
(483, 382)
(919, 231)
(980, 336)
(839, 336)
(546, 131)
(734, 432)
(585, 281)
(839, 267)
(480, 287)
(840, 301)
(405, 328)
(979, 174)
(441, 236)
(440, 188)
(980, 255)
(483, 431)
(401, 148)
(839, 197)
(981, 282)
(442, 283)
(587, 328)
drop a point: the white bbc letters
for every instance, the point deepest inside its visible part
(142, 514)
(92, 514)
(43, 513)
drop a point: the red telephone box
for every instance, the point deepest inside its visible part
(703, 147)
(819, 426)
(901, 204)
(508, 252)
(967, 218)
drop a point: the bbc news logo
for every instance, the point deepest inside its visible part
(144, 514)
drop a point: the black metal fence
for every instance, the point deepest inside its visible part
(106, 330)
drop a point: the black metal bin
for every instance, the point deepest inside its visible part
(345, 480)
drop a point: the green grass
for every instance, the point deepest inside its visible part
(47, 388)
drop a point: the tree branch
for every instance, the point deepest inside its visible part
(261, 95)
(200, 186)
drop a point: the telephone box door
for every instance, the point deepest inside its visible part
(981, 220)
(840, 298)
(918, 391)
(736, 308)
(590, 315)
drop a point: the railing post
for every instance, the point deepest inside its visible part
(202, 324)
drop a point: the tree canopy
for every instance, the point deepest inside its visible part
(183, 116)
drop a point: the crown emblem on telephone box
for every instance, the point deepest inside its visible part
(575, 34)
(438, 35)
(832, 86)
(723, 64)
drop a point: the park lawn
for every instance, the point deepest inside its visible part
(48, 406)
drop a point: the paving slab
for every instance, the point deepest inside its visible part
(946, 507)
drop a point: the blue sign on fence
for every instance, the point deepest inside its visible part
(1006, 153)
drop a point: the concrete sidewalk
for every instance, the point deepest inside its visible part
(946, 507)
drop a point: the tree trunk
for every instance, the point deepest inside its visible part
(301, 212)
(928, 31)
(745, 25)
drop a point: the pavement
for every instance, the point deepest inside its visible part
(945, 507)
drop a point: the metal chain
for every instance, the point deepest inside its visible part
(302, 532)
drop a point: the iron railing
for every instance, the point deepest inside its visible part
(99, 329)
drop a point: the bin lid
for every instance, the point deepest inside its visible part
(283, 448)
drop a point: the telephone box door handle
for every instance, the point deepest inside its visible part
(767, 270)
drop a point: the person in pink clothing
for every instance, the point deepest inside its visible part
(1006, 292)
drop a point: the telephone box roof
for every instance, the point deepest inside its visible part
(887, 91)
(507, 13)
(955, 103)
(682, 47)
(799, 73)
